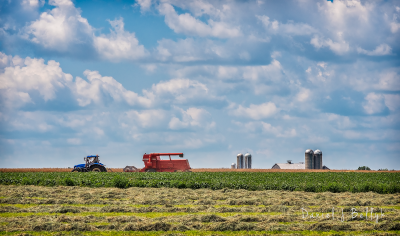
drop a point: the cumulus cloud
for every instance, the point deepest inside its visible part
(192, 117)
(392, 101)
(187, 24)
(97, 86)
(256, 112)
(18, 81)
(374, 103)
(22, 77)
(63, 29)
(182, 91)
(144, 5)
(290, 28)
(119, 44)
(380, 50)
(60, 28)
(340, 47)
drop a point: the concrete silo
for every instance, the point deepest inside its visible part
(309, 159)
(240, 160)
(317, 159)
(247, 161)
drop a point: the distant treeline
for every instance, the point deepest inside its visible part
(292, 181)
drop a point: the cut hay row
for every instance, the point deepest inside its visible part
(22, 212)
(195, 170)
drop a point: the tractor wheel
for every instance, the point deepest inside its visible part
(75, 170)
(95, 168)
(103, 169)
(151, 170)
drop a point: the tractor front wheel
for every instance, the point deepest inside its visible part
(75, 170)
(151, 170)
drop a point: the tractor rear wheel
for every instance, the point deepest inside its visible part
(96, 168)
(151, 170)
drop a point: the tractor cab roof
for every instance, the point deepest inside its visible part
(93, 156)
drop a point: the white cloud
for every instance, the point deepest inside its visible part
(144, 5)
(146, 118)
(339, 48)
(389, 81)
(380, 50)
(180, 91)
(187, 24)
(192, 117)
(256, 112)
(63, 29)
(94, 90)
(60, 28)
(17, 82)
(74, 141)
(119, 44)
(32, 3)
(392, 101)
(286, 29)
(303, 95)
(374, 103)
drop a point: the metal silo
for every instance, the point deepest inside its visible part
(233, 166)
(317, 159)
(247, 160)
(239, 158)
(309, 159)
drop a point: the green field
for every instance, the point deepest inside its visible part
(384, 183)
(73, 210)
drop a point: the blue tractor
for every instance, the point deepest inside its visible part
(92, 164)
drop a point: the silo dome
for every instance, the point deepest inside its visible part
(309, 151)
(317, 151)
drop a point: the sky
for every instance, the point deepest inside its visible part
(210, 79)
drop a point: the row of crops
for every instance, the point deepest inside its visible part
(310, 182)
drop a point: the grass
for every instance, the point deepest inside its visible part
(73, 210)
(204, 233)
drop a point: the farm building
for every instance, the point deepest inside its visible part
(292, 166)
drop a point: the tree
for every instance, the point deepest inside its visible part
(364, 168)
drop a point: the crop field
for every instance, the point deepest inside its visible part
(383, 183)
(73, 210)
(195, 170)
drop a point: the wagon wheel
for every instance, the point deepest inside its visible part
(151, 170)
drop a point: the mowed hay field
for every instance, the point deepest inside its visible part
(72, 210)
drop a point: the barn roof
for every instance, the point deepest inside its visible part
(289, 166)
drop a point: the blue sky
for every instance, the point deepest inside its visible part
(207, 78)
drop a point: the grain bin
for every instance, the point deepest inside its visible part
(247, 161)
(309, 159)
(239, 161)
(233, 166)
(317, 159)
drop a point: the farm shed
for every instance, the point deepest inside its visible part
(293, 166)
(289, 166)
